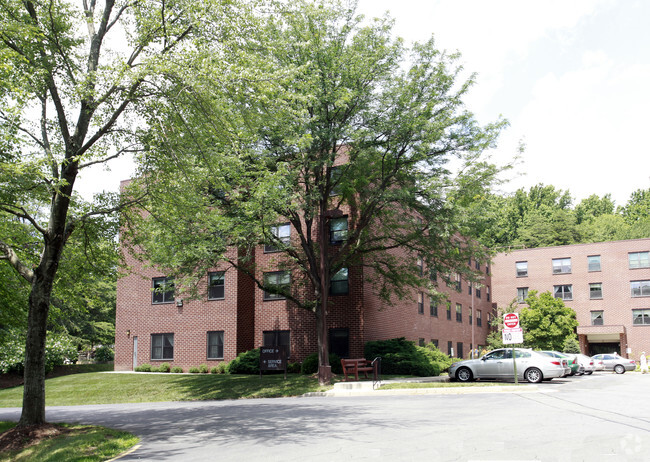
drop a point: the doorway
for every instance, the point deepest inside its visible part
(135, 352)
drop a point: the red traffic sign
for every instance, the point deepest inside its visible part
(511, 320)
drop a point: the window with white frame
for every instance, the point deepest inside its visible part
(640, 288)
(595, 290)
(522, 269)
(215, 345)
(561, 265)
(522, 294)
(593, 263)
(565, 292)
(641, 317)
(597, 318)
(280, 236)
(459, 312)
(639, 259)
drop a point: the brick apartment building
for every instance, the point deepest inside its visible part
(233, 315)
(607, 284)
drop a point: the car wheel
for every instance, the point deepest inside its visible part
(619, 369)
(464, 375)
(589, 372)
(533, 375)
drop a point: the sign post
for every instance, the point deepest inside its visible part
(512, 333)
(273, 358)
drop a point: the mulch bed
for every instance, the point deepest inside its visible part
(20, 438)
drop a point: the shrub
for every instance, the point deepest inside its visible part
(294, 368)
(143, 368)
(310, 364)
(176, 370)
(400, 356)
(247, 362)
(193, 370)
(437, 357)
(104, 354)
(221, 367)
(164, 367)
(203, 369)
(214, 370)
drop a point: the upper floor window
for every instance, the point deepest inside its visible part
(479, 318)
(339, 284)
(420, 303)
(448, 310)
(335, 180)
(640, 288)
(522, 269)
(216, 285)
(420, 265)
(470, 316)
(338, 230)
(595, 290)
(593, 262)
(522, 294)
(277, 338)
(561, 265)
(280, 234)
(487, 293)
(639, 259)
(565, 292)
(459, 284)
(478, 292)
(279, 282)
(433, 307)
(596, 318)
(163, 290)
(641, 316)
(459, 312)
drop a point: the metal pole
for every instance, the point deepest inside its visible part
(514, 362)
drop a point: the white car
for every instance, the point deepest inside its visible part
(587, 363)
(615, 362)
(498, 364)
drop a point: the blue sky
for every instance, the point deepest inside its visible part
(572, 77)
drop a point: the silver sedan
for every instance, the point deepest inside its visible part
(498, 364)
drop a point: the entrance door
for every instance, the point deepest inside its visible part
(135, 351)
(600, 348)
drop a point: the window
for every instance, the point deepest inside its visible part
(477, 265)
(339, 283)
(596, 318)
(522, 294)
(522, 269)
(469, 288)
(277, 338)
(593, 263)
(448, 310)
(595, 291)
(340, 342)
(450, 348)
(487, 269)
(561, 265)
(470, 316)
(216, 285)
(421, 342)
(277, 282)
(163, 290)
(420, 303)
(433, 307)
(459, 312)
(162, 346)
(435, 342)
(215, 345)
(478, 292)
(487, 293)
(281, 233)
(640, 317)
(433, 275)
(640, 288)
(479, 318)
(459, 349)
(639, 259)
(420, 265)
(338, 230)
(459, 285)
(565, 292)
(335, 181)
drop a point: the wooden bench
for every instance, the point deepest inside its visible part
(354, 366)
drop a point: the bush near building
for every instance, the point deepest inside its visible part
(400, 356)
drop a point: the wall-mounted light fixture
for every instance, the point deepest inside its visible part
(179, 302)
(128, 333)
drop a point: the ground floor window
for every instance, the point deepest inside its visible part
(277, 338)
(340, 342)
(450, 348)
(215, 345)
(162, 346)
(459, 349)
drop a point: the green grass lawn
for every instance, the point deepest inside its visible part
(103, 388)
(78, 443)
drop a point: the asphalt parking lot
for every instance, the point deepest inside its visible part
(600, 417)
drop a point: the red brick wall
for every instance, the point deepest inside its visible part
(617, 303)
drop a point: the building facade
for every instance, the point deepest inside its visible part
(232, 315)
(607, 284)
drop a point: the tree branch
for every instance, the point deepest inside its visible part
(7, 253)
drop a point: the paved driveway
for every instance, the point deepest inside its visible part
(600, 417)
